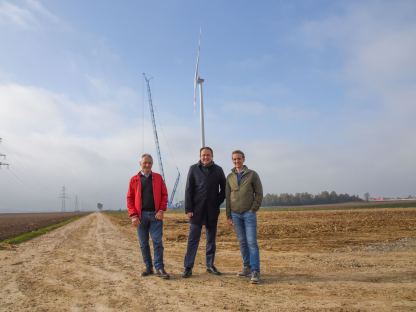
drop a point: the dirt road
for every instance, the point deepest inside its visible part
(93, 264)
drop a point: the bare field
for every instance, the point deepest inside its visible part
(352, 260)
(349, 205)
(13, 224)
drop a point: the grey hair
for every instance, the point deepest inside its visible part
(146, 156)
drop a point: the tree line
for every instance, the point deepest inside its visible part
(325, 197)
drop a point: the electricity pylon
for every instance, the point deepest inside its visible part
(63, 197)
(4, 157)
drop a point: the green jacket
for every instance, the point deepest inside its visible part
(246, 196)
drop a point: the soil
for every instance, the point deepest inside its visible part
(353, 260)
(13, 224)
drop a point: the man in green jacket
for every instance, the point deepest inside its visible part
(244, 194)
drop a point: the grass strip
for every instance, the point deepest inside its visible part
(35, 233)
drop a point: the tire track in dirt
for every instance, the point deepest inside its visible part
(312, 278)
(94, 263)
(78, 267)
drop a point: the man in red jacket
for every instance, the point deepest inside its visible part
(147, 199)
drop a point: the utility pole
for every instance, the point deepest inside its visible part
(63, 197)
(4, 157)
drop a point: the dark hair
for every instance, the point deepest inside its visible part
(238, 152)
(206, 148)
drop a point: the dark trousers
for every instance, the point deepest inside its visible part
(193, 242)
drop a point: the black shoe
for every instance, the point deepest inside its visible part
(162, 274)
(148, 271)
(213, 270)
(187, 273)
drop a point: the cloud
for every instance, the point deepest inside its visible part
(370, 145)
(21, 17)
(25, 107)
(91, 148)
(28, 16)
(376, 42)
(284, 112)
(290, 166)
(37, 7)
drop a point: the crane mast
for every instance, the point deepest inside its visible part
(159, 155)
(172, 195)
(152, 114)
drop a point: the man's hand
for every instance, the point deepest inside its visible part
(159, 215)
(190, 215)
(230, 222)
(135, 221)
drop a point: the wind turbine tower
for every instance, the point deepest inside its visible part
(198, 81)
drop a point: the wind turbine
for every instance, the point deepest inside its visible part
(198, 81)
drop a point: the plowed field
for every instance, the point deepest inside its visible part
(13, 224)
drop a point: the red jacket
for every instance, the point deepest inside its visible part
(134, 199)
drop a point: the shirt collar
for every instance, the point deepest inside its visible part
(244, 169)
(207, 166)
(144, 174)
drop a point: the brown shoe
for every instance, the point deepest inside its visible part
(162, 274)
(246, 272)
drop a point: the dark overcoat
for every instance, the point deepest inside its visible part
(204, 193)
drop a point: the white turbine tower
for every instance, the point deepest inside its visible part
(199, 81)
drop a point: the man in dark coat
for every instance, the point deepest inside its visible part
(204, 193)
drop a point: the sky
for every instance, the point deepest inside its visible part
(320, 95)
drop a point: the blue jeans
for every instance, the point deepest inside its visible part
(193, 242)
(245, 225)
(149, 224)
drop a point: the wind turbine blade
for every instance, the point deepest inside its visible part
(197, 69)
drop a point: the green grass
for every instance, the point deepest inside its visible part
(29, 235)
